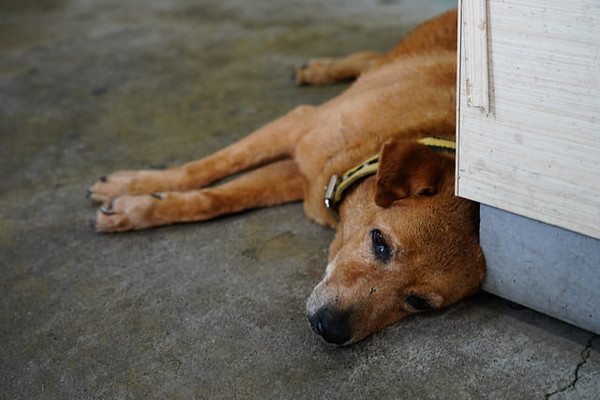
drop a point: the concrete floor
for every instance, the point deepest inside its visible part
(216, 309)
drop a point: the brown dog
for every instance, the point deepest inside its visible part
(404, 242)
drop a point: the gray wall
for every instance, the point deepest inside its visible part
(543, 267)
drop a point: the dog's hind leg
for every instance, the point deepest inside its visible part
(272, 142)
(322, 71)
(438, 33)
(276, 183)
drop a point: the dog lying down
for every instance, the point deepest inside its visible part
(404, 242)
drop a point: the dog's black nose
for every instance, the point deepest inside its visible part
(333, 325)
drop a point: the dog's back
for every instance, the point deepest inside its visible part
(408, 94)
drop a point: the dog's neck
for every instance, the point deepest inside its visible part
(337, 187)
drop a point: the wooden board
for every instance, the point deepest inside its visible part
(536, 150)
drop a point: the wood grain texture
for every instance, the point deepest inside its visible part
(474, 40)
(537, 152)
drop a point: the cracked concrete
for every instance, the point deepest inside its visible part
(211, 310)
(583, 375)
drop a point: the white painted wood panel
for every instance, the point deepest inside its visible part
(536, 152)
(474, 28)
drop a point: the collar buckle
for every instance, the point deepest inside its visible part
(329, 199)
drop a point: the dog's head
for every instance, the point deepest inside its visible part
(405, 244)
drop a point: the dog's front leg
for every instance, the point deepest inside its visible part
(273, 141)
(276, 183)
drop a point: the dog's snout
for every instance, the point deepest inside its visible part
(333, 325)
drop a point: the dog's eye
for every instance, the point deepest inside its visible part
(381, 248)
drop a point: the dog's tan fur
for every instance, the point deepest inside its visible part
(401, 96)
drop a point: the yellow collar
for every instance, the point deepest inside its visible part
(337, 187)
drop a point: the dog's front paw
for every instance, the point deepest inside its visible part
(136, 182)
(126, 213)
(114, 185)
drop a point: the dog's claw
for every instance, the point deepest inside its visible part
(102, 178)
(297, 74)
(106, 211)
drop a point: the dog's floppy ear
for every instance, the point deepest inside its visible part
(407, 169)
